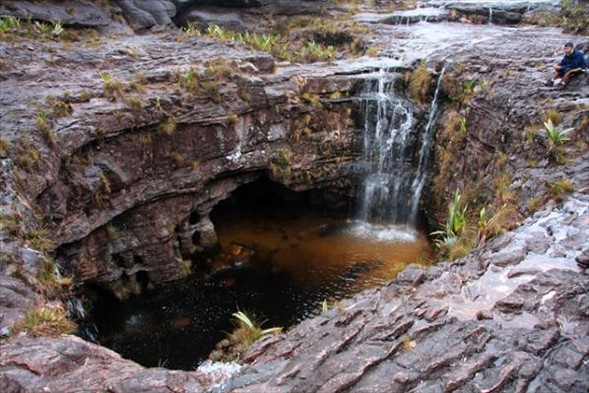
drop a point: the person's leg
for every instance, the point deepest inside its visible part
(554, 77)
(567, 77)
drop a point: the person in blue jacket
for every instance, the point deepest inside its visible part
(573, 63)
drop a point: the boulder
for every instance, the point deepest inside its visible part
(68, 12)
(147, 14)
(223, 17)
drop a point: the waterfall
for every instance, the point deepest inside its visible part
(396, 157)
(425, 152)
(86, 329)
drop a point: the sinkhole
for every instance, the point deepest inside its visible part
(281, 254)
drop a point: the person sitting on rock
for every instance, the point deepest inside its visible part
(573, 63)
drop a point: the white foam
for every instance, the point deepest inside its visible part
(383, 233)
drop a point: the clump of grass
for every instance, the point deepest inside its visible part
(189, 81)
(504, 194)
(186, 267)
(50, 282)
(14, 29)
(419, 84)
(280, 165)
(190, 30)
(59, 107)
(45, 127)
(557, 189)
(372, 52)
(311, 98)
(113, 88)
(111, 230)
(554, 116)
(27, 157)
(168, 126)
(497, 223)
(211, 89)
(135, 104)
(39, 239)
(407, 343)
(313, 52)
(218, 69)
(4, 144)
(534, 204)
(177, 158)
(247, 331)
(452, 139)
(46, 321)
(104, 183)
(9, 23)
(233, 118)
(139, 82)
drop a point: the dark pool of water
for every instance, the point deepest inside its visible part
(279, 267)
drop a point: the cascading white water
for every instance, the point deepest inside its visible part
(396, 156)
(425, 153)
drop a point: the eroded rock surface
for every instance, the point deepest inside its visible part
(125, 191)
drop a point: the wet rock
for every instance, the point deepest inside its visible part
(538, 244)
(204, 17)
(297, 7)
(146, 14)
(508, 258)
(501, 13)
(31, 365)
(413, 275)
(68, 12)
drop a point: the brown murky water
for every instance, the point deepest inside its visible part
(282, 256)
(315, 251)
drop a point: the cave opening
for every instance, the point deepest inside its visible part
(281, 254)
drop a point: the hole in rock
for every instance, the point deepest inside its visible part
(282, 253)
